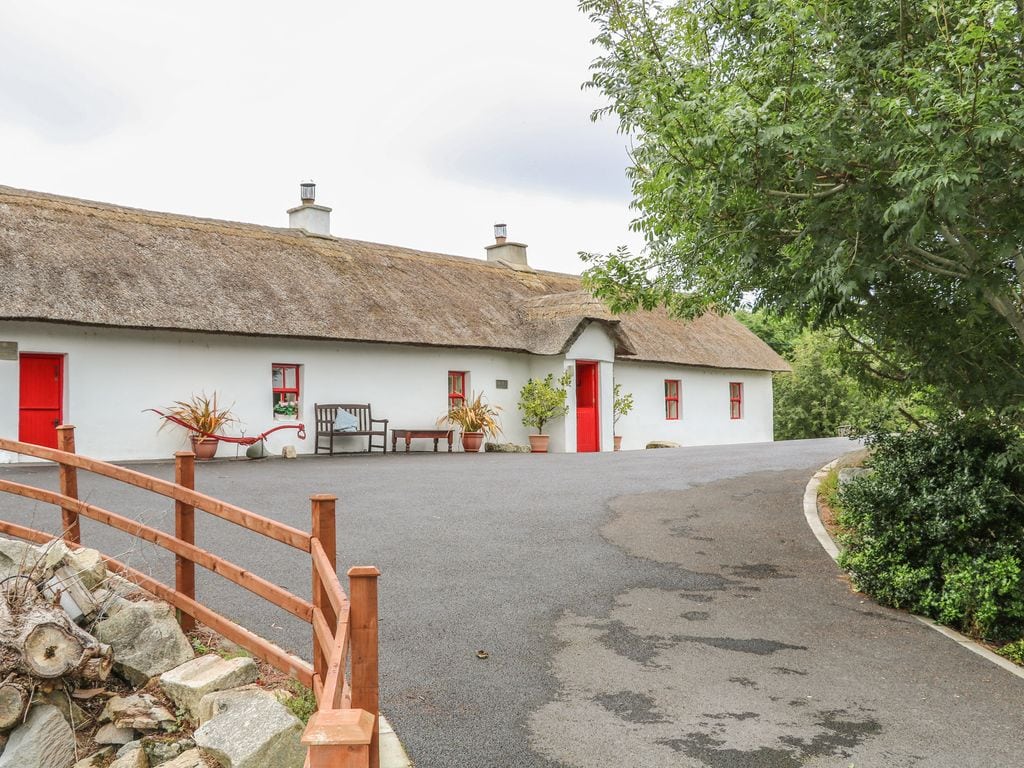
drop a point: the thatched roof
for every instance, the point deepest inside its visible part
(73, 261)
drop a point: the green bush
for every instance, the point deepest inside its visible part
(938, 528)
(1014, 652)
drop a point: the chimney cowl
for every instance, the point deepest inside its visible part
(307, 192)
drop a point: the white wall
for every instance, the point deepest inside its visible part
(703, 405)
(113, 375)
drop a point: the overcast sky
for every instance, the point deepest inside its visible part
(423, 124)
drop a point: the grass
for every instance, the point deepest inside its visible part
(1013, 651)
(302, 703)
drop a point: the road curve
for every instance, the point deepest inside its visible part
(656, 608)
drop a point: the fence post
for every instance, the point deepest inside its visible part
(323, 530)
(69, 485)
(185, 529)
(339, 738)
(362, 585)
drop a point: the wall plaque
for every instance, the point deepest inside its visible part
(8, 350)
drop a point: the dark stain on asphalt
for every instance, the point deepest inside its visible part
(746, 682)
(757, 571)
(696, 615)
(786, 671)
(696, 598)
(882, 616)
(624, 641)
(754, 645)
(708, 751)
(731, 715)
(841, 733)
(630, 706)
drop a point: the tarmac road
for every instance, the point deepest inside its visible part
(655, 608)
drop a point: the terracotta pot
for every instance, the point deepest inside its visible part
(539, 443)
(204, 447)
(618, 442)
(471, 441)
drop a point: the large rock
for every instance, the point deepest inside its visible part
(188, 683)
(77, 717)
(16, 556)
(160, 750)
(139, 711)
(111, 734)
(219, 702)
(88, 566)
(96, 759)
(134, 758)
(146, 639)
(44, 740)
(256, 733)
(505, 448)
(663, 444)
(191, 759)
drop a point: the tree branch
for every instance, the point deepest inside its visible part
(806, 195)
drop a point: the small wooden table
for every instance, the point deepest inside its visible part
(409, 434)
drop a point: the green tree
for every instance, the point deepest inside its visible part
(857, 164)
(542, 400)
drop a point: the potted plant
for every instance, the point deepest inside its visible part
(204, 418)
(622, 403)
(541, 401)
(476, 419)
(286, 409)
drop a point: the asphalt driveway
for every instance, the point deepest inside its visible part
(657, 608)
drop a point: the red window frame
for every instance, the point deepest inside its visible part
(735, 400)
(285, 393)
(672, 389)
(456, 389)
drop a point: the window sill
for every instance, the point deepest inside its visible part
(283, 417)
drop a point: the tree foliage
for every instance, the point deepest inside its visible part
(543, 400)
(857, 164)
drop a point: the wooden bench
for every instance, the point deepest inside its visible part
(326, 413)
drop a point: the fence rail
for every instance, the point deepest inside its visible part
(343, 732)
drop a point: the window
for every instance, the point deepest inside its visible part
(735, 400)
(671, 399)
(285, 383)
(456, 389)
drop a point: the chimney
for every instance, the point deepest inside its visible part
(315, 219)
(510, 254)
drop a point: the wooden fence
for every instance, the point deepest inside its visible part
(343, 732)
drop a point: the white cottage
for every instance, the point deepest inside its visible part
(107, 311)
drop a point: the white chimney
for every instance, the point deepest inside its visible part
(505, 252)
(315, 219)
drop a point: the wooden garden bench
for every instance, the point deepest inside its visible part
(327, 413)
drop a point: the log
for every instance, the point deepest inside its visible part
(14, 698)
(39, 640)
(51, 651)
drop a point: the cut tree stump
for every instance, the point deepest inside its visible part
(13, 700)
(40, 645)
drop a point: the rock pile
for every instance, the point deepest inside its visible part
(240, 724)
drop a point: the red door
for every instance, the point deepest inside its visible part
(41, 399)
(587, 412)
